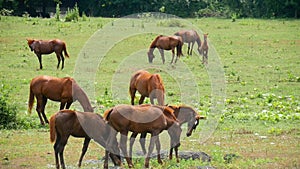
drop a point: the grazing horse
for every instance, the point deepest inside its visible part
(143, 119)
(148, 85)
(64, 90)
(47, 47)
(85, 125)
(166, 43)
(184, 114)
(190, 36)
(204, 49)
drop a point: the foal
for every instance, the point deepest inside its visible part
(204, 49)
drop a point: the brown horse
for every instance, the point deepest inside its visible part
(143, 119)
(85, 125)
(204, 49)
(47, 47)
(64, 90)
(166, 43)
(190, 36)
(148, 85)
(184, 114)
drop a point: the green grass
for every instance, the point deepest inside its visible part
(260, 59)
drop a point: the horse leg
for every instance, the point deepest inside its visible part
(123, 144)
(55, 147)
(132, 139)
(62, 61)
(152, 98)
(158, 150)
(39, 100)
(143, 142)
(68, 105)
(176, 154)
(61, 148)
(132, 94)
(105, 165)
(171, 153)
(161, 51)
(62, 105)
(191, 51)
(43, 109)
(40, 60)
(58, 60)
(188, 52)
(150, 149)
(173, 53)
(142, 100)
(84, 149)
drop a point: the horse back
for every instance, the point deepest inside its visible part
(66, 122)
(51, 87)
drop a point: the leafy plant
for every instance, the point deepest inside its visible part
(72, 14)
(8, 111)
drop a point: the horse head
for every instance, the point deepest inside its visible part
(150, 56)
(30, 42)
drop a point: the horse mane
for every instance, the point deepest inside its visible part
(106, 114)
(153, 44)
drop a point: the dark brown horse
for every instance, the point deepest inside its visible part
(184, 114)
(143, 119)
(47, 47)
(87, 125)
(166, 43)
(64, 90)
(204, 49)
(190, 37)
(148, 85)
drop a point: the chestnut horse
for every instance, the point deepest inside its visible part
(47, 47)
(148, 85)
(184, 114)
(64, 90)
(166, 43)
(204, 49)
(85, 125)
(143, 119)
(190, 36)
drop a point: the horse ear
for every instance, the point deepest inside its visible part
(200, 117)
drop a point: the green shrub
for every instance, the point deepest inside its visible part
(57, 13)
(73, 14)
(8, 111)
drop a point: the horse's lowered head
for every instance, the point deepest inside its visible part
(150, 56)
(30, 44)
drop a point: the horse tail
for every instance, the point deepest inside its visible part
(52, 128)
(65, 50)
(179, 47)
(107, 113)
(30, 100)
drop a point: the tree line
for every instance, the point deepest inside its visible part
(181, 8)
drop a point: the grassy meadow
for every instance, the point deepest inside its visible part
(260, 59)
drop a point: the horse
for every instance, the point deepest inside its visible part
(143, 119)
(148, 85)
(190, 36)
(166, 43)
(64, 90)
(85, 125)
(47, 47)
(204, 49)
(184, 114)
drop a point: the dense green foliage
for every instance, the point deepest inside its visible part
(8, 111)
(189, 8)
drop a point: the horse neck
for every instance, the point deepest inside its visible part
(183, 114)
(82, 98)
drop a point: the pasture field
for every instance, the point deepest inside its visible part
(260, 59)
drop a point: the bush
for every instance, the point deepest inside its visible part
(57, 13)
(8, 112)
(73, 14)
